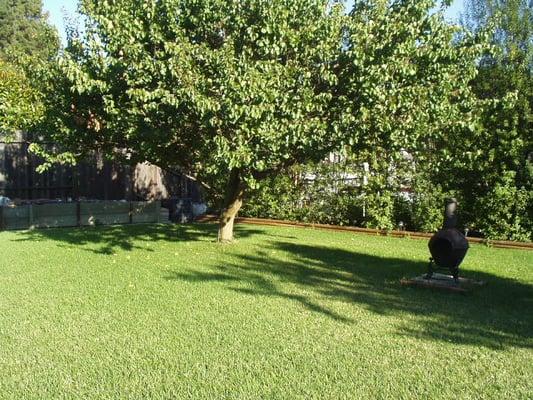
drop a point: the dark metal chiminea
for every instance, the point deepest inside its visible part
(448, 246)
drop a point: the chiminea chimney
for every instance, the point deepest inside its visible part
(450, 216)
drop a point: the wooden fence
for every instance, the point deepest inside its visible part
(93, 179)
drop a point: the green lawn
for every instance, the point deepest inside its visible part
(286, 313)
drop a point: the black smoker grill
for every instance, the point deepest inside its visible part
(448, 246)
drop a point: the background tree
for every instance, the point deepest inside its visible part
(24, 29)
(20, 104)
(27, 43)
(231, 92)
(495, 174)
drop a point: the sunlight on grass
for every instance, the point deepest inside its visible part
(165, 312)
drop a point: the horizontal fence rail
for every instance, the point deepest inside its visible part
(55, 215)
(367, 231)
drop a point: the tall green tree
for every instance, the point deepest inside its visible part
(405, 74)
(20, 104)
(24, 29)
(231, 92)
(27, 44)
(497, 177)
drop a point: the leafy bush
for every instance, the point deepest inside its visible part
(505, 212)
(379, 207)
(290, 196)
(427, 206)
(403, 212)
(278, 198)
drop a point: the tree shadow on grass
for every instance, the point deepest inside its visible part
(107, 240)
(494, 316)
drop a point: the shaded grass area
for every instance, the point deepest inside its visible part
(165, 312)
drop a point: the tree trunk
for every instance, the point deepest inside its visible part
(232, 204)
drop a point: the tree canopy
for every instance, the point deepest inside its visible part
(233, 91)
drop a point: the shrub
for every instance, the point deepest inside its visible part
(505, 212)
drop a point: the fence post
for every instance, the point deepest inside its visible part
(158, 211)
(78, 213)
(30, 214)
(2, 218)
(131, 212)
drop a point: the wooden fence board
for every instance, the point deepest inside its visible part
(104, 213)
(16, 217)
(54, 215)
(143, 212)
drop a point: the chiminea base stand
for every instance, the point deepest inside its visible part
(443, 282)
(432, 269)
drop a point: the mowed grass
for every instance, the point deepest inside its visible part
(164, 312)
